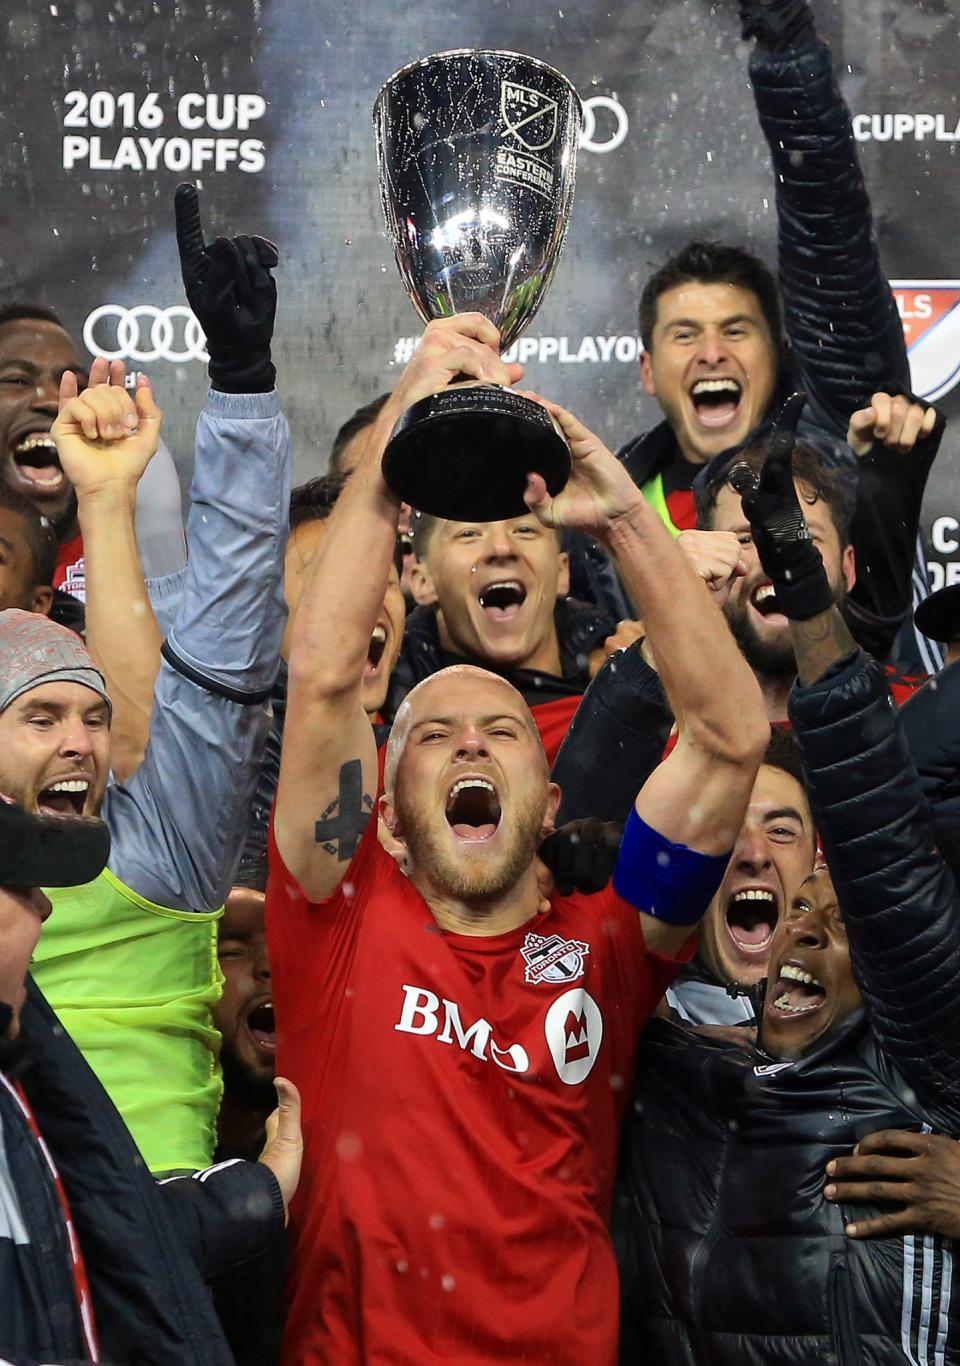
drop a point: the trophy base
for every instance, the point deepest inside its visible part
(465, 453)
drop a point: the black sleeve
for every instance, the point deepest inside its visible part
(225, 1214)
(899, 900)
(840, 315)
(884, 531)
(931, 723)
(615, 741)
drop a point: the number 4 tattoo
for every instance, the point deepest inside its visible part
(341, 826)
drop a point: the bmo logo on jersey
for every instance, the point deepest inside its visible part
(423, 1012)
(573, 1027)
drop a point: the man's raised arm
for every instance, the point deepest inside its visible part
(899, 901)
(697, 797)
(328, 769)
(105, 440)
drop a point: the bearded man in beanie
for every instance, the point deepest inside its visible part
(129, 962)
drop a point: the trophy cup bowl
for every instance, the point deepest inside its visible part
(477, 155)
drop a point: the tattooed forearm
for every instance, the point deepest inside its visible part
(340, 828)
(819, 642)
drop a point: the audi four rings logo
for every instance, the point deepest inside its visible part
(145, 333)
(605, 124)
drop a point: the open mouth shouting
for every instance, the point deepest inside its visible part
(473, 809)
(716, 402)
(502, 600)
(763, 600)
(37, 464)
(751, 918)
(262, 1029)
(796, 992)
(66, 797)
(378, 643)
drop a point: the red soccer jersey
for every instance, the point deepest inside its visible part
(462, 1102)
(553, 721)
(69, 574)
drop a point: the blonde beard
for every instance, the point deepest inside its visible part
(476, 877)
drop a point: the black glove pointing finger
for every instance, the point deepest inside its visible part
(788, 556)
(233, 295)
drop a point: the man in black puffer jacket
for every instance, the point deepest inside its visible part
(733, 1250)
(721, 379)
(97, 1260)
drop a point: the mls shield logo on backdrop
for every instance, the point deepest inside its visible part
(930, 313)
(528, 115)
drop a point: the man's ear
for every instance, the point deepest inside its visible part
(563, 574)
(41, 601)
(388, 833)
(646, 373)
(421, 584)
(550, 814)
(848, 567)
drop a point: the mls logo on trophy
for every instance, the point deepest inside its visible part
(529, 116)
(477, 153)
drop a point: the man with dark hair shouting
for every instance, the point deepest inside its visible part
(720, 356)
(464, 1043)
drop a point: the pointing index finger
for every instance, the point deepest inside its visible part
(186, 208)
(780, 446)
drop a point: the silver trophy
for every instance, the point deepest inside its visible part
(477, 152)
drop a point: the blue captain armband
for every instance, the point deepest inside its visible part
(666, 880)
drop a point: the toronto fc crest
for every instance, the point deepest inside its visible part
(550, 958)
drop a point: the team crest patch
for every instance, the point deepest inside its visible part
(549, 958)
(529, 115)
(930, 314)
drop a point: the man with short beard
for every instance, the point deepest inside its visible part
(129, 963)
(887, 430)
(761, 631)
(463, 1042)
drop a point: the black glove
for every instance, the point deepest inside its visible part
(581, 855)
(234, 296)
(777, 25)
(787, 554)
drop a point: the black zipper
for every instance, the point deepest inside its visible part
(844, 1334)
(708, 1242)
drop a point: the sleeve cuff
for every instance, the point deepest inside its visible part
(240, 406)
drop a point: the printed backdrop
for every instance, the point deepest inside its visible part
(267, 104)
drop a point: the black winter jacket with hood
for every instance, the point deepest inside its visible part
(147, 1247)
(846, 337)
(730, 1252)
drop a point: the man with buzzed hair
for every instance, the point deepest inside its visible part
(463, 1042)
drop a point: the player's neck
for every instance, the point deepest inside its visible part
(484, 918)
(544, 657)
(776, 694)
